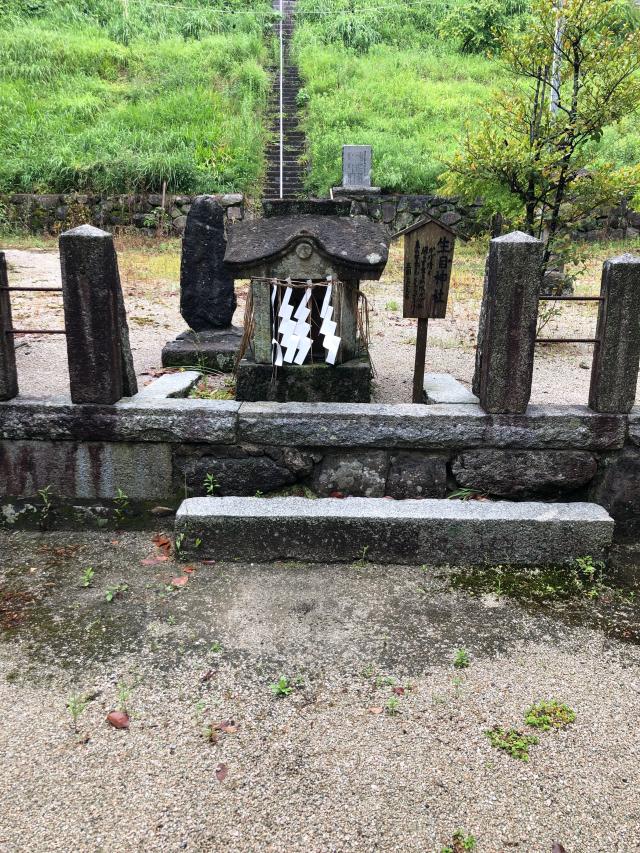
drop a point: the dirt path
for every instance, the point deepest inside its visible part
(561, 373)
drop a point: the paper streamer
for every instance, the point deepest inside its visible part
(331, 342)
(291, 337)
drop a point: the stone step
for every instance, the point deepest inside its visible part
(432, 532)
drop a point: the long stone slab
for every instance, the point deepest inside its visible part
(172, 420)
(174, 385)
(432, 532)
(445, 388)
(427, 427)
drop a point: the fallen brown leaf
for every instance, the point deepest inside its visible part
(376, 710)
(556, 847)
(221, 772)
(181, 581)
(208, 675)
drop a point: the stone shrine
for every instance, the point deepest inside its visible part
(356, 170)
(306, 330)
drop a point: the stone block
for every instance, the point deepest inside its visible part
(416, 475)
(100, 362)
(361, 473)
(616, 356)
(513, 473)
(86, 469)
(179, 224)
(508, 317)
(216, 349)
(346, 382)
(421, 427)
(443, 388)
(207, 296)
(435, 532)
(240, 470)
(144, 420)
(617, 488)
(174, 385)
(634, 425)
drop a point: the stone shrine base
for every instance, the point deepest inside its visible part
(349, 382)
(216, 349)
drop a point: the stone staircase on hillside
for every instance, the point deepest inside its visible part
(293, 138)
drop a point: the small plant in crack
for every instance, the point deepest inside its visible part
(211, 485)
(86, 579)
(121, 503)
(282, 687)
(76, 706)
(460, 843)
(115, 591)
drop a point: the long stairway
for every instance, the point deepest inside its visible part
(285, 179)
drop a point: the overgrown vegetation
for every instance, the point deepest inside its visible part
(408, 76)
(120, 97)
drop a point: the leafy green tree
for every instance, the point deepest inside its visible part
(571, 73)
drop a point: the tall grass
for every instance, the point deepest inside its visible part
(400, 76)
(119, 97)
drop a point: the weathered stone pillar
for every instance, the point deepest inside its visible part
(207, 296)
(507, 332)
(100, 363)
(616, 356)
(8, 371)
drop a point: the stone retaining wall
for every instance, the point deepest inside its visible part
(55, 213)
(156, 450)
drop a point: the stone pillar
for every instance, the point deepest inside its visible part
(207, 296)
(263, 322)
(616, 356)
(8, 371)
(100, 363)
(507, 333)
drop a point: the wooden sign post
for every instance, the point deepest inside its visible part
(428, 258)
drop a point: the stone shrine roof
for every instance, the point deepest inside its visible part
(353, 242)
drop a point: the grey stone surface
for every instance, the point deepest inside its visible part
(417, 475)
(8, 371)
(216, 349)
(100, 363)
(360, 473)
(444, 388)
(170, 385)
(434, 532)
(616, 358)
(144, 420)
(356, 166)
(506, 338)
(317, 382)
(427, 427)
(86, 469)
(239, 470)
(634, 425)
(617, 488)
(511, 473)
(299, 207)
(207, 295)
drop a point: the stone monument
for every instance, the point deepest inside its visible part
(356, 171)
(207, 296)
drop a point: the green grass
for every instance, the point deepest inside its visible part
(93, 101)
(394, 79)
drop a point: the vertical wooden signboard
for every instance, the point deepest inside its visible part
(428, 258)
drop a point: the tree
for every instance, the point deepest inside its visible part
(534, 157)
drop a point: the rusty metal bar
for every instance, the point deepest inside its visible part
(570, 299)
(567, 340)
(35, 332)
(35, 289)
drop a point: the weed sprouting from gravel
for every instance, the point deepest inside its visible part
(549, 715)
(282, 687)
(461, 659)
(460, 843)
(512, 741)
(75, 706)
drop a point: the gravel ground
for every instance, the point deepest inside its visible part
(321, 769)
(561, 373)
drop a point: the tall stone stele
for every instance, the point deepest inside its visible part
(98, 351)
(508, 319)
(207, 295)
(616, 356)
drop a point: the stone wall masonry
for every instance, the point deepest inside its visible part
(158, 449)
(54, 213)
